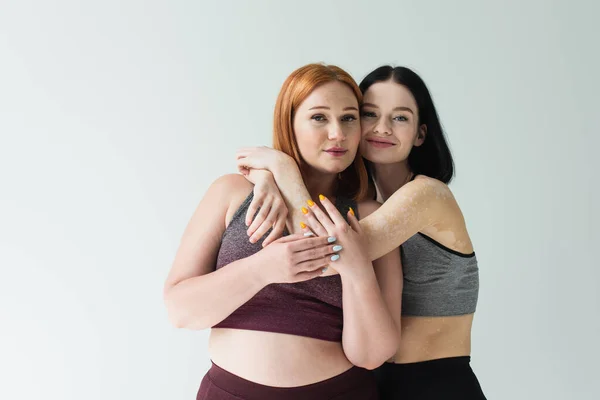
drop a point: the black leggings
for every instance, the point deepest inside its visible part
(354, 384)
(441, 379)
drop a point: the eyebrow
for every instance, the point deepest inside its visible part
(327, 108)
(395, 109)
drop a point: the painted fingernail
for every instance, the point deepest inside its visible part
(310, 203)
(309, 234)
(331, 239)
(321, 197)
(352, 211)
(302, 225)
(324, 270)
(335, 257)
(337, 247)
(304, 210)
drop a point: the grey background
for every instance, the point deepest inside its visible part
(115, 116)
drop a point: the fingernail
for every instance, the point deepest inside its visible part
(310, 203)
(331, 239)
(324, 270)
(337, 247)
(321, 197)
(335, 257)
(352, 211)
(302, 225)
(309, 234)
(304, 210)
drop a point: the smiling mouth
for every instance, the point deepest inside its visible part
(379, 141)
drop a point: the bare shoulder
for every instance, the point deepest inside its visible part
(367, 207)
(428, 186)
(449, 226)
(231, 182)
(425, 193)
(232, 190)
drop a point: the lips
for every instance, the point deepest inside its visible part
(336, 151)
(380, 143)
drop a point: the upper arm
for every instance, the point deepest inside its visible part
(413, 207)
(388, 270)
(201, 240)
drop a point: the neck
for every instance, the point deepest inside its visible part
(318, 183)
(391, 177)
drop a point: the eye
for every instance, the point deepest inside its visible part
(349, 118)
(318, 117)
(400, 118)
(368, 114)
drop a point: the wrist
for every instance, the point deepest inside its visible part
(255, 273)
(283, 165)
(258, 176)
(361, 274)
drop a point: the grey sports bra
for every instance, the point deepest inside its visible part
(438, 281)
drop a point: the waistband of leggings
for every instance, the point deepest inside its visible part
(431, 366)
(341, 383)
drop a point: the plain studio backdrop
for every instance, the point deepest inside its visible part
(115, 116)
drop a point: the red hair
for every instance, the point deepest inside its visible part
(296, 88)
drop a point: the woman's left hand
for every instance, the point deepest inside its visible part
(351, 257)
(262, 157)
(267, 209)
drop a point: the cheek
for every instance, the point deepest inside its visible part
(308, 138)
(366, 126)
(300, 133)
(404, 134)
(353, 133)
(356, 136)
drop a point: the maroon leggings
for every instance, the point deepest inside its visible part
(354, 384)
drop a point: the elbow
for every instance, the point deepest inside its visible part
(374, 359)
(180, 317)
(174, 314)
(369, 363)
(176, 318)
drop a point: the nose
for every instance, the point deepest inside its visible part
(336, 132)
(382, 128)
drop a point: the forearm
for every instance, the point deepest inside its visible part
(369, 337)
(292, 188)
(203, 301)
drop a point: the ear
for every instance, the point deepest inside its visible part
(421, 135)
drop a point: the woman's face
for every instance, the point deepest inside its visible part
(327, 128)
(389, 123)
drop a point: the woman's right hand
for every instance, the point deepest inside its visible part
(294, 258)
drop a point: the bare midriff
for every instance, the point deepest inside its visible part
(276, 359)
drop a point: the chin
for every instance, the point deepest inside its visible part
(380, 158)
(333, 168)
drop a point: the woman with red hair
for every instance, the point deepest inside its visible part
(284, 325)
